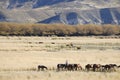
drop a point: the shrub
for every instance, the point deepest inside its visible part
(18, 29)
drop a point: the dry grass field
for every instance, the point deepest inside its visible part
(20, 56)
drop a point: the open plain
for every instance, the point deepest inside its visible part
(20, 56)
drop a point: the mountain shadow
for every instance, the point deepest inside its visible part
(41, 3)
(2, 17)
(72, 18)
(35, 3)
(106, 16)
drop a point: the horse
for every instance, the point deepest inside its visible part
(69, 67)
(97, 67)
(88, 67)
(42, 67)
(61, 67)
(118, 66)
(74, 67)
(113, 67)
(107, 67)
(79, 67)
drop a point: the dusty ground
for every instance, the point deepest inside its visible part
(19, 57)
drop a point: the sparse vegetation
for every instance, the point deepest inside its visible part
(20, 56)
(16, 29)
(56, 44)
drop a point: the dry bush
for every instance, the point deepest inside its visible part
(57, 29)
(110, 29)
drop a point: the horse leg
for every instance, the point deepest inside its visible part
(38, 68)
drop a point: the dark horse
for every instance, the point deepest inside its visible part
(69, 67)
(42, 67)
(110, 67)
(72, 67)
(61, 67)
(88, 67)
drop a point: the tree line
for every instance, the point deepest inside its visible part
(29, 29)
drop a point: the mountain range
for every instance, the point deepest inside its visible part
(71, 12)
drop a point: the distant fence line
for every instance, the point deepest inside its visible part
(18, 29)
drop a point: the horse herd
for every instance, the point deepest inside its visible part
(78, 67)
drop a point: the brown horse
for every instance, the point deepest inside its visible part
(97, 67)
(42, 67)
(79, 67)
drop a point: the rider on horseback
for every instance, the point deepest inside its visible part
(66, 63)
